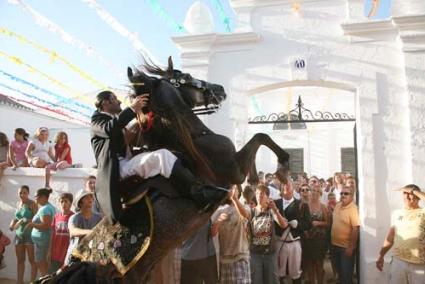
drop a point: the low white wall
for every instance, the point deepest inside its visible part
(69, 180)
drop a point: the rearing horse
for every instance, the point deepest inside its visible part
(176, 98)
(170, 122)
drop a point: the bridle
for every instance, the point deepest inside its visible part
(211, 101)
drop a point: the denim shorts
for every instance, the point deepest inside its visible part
(23, 240)
(41, 248)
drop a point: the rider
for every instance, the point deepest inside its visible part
(115, 162)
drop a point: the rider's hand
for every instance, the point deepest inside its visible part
(139, 102)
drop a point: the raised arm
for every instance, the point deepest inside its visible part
(240, 208)
(282, 222)
(419, 194)
(106, 128)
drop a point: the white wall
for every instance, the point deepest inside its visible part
(69, 180)
(79, 135)
(380, 62)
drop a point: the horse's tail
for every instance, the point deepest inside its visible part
(187, 143)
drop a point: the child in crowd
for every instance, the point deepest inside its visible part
(4, 146)
(331, 202)
(17, 149)
(63, 158)
(4, 241)
(60, 236)
(39, 151)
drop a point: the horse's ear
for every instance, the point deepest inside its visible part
(170, 69)
(129, 73)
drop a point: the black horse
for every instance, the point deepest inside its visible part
(170, 122)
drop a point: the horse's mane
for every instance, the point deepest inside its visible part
(154, 69)
(178, 123)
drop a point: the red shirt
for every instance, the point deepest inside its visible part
(59, 150)
(60, 236)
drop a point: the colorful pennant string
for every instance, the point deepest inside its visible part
(223, 17)
(56, 97)
(45, 102)
(374, 8)
(66, 37)
(53, 57)
(49, 109)
(122, 30)
(32, 69)
(163, 15)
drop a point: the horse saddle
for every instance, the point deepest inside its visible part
(123, 243)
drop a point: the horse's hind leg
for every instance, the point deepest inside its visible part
(246, 156)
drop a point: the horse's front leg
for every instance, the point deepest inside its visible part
(246, 157)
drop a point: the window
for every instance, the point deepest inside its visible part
(348, 161)
(296, 161)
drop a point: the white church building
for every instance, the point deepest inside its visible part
(372, 70)
(336, 60)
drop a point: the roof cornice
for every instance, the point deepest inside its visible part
(409, 29)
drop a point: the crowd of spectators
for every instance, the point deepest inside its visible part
(46, 233)
(266, 232)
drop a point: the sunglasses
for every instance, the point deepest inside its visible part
(345, 193)
(305, 189)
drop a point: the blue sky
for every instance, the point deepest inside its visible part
(82, 22)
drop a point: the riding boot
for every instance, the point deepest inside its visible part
(186, 184)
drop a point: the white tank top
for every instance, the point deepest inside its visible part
(41, 150)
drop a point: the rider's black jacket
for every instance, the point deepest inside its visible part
(107, 140)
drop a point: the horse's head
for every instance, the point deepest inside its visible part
(197, 94)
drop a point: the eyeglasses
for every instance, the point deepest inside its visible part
(345, 193)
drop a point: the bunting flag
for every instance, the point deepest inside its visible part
(67, 38)
(32, 69)
(45, 102)
(56, 97)
(53, 57)
(256, 105)
(223, 17)
(123, 31)
(373, 9)
(163, 15)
